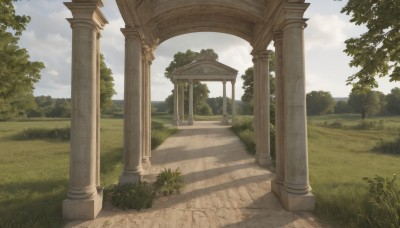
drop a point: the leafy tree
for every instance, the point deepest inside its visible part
(17, 73)
(375, 52)
(365, 103)
(62, 108)
(342, 107)
(393, 101)
(106, 86)
(319, 103)
(204, 109)
(200, 91)
(216, 105)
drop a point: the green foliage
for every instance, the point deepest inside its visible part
(388, 147)
(159, 133)
(133, 196)
(369, 125)
(244, 129)
(375, 52)
(9, 20)
(342, 107)
(106, 86)
(216, 104)
(204, 109)
(365, 103)
(319, 103)
(169, 181)
(393, 101)
(62, 134)
(381, 207)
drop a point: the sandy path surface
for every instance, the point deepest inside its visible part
(223, 187)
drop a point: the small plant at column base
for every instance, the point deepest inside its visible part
(133, 196)
(169, 181)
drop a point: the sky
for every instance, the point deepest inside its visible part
(48, 39)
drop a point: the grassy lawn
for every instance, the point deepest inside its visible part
(34, 173)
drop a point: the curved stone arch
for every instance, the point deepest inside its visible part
(256, 21)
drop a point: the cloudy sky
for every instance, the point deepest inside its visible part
(48, 39)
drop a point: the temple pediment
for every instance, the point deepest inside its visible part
(207, 70)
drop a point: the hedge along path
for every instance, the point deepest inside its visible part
(223, 187)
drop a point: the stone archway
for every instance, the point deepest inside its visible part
(147, 24)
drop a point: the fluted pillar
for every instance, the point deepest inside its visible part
(146, 61)
(233, 103)
(175, 120)
(190, 120)
(181, 99)
(224, 111)
(84, 195)
(262, 102)
(279, 113)
(296, 194)
(133, 106)
(256, 124)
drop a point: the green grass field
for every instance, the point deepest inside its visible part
(34, 174)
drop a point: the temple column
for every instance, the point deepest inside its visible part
(84, 196)
(148, 86)
(233, 103)
(190, 120)
(133, 106)
(296, 194)
(145, 110)
(98, 111)
(263, 102)
(255, 108)
(224, 112)
(279, 113)
(175, 120)
(181, 100)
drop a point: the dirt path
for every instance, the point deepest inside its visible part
(224, 187)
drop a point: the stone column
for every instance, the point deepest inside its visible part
(148, 85)
(190, 102)
(279, 113)
(175, 120)
(296, 195)
(255, 108)
(84, 197)
(233, 103)
(98, 111)
(263, 101)
(145, 110)
(133, 125)
(224, 112)
(181, 100)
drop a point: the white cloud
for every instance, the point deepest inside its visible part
(325, 32)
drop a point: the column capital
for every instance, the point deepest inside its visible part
(148, 54)
(86, 13)
(190, 81)
(278, 36)
(260, 54)
(224, 82)
(132, 34)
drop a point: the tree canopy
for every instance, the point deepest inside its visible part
(319, 103)
(106, 86)
(365, 103)
(376, 52)
(17, 73)
(393, 101)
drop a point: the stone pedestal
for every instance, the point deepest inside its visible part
(83, 209)
(297, 203)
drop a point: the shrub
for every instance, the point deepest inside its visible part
(133, 196)
(45, 133)
(369, 125)
(382, 206)
(388, 147)
(336, 124)
(157, 126)
(169, 181)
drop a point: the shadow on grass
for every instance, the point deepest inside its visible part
(32, 204)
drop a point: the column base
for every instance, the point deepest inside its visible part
(297, 203)
(225, 120)
(276, 188)
(175, 122)
(83, 209)
(146, 163)
(130, 178)
(264, 161)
